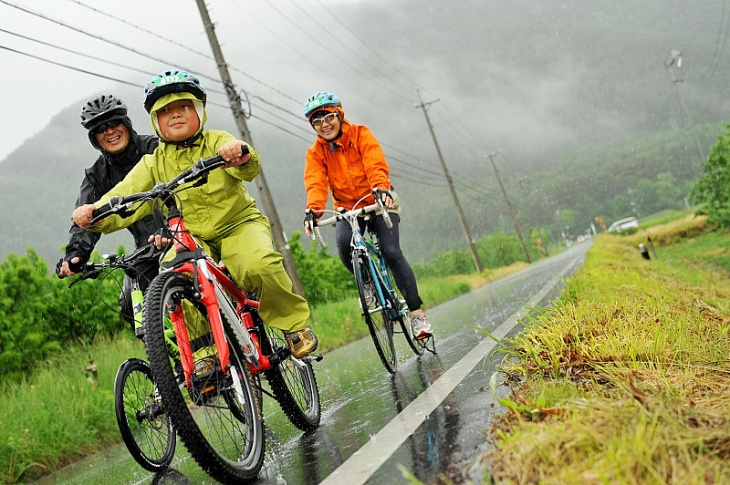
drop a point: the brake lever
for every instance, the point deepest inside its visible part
(86, 275)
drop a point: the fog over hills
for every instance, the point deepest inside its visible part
(544, 83)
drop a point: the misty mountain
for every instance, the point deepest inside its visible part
(573, 100)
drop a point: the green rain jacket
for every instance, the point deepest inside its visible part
(216, 211)
(212, 210)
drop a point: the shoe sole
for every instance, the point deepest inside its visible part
(423, 335)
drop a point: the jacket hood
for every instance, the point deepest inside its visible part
(172, 97)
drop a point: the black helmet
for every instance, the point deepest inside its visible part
(173, 81)
(100, 109)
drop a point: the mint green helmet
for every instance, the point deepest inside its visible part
(320, 100)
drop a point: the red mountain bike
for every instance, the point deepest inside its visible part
(218, 414)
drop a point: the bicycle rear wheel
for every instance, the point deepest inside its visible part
(375, 312)
(219, 417)
(292, 381)
(143, 423)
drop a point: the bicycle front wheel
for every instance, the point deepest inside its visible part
(402, 314)
(145, 427)
(218, 417)
(292, 381)
(375, 313)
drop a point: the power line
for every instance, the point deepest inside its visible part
(717, 54)
(137, 27)
(178, 44)
(326, 48)
(340, 22)
(82, 54)
(95, 36)
(420, 169)
(66, 66)
(339, 41)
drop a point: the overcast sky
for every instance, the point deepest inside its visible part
(270, 46)
(513, 77)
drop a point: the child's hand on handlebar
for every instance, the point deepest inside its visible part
(234, 153)
(83, 214)
(159, 240)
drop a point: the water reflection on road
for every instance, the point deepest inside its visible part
(361, 402)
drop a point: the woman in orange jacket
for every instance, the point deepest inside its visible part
(347, 160)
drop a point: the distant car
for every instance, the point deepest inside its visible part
(623, 224)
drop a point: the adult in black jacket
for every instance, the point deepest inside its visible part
(110, 131)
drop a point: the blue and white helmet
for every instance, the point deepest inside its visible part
(172, 81)
(320, 100)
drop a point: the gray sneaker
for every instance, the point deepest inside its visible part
(421, 327)
(370, 296)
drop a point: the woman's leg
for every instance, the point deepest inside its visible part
(405, 279)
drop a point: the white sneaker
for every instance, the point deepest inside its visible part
(421, 327)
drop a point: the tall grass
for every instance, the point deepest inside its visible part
(63, 411)
(625, 379)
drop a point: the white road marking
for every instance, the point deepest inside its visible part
(366, 461)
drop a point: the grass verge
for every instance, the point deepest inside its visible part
(625, 379)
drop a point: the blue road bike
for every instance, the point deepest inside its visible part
(383, 307)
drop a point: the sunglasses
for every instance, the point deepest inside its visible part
(328, 118)
(105, 126)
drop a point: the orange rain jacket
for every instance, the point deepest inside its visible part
(351, 167)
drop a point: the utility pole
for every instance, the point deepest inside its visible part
(462, 218)
(676, 59)
(267, 200)
(509, 208)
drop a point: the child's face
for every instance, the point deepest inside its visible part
(178, 121)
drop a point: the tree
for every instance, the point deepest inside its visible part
(712, 189)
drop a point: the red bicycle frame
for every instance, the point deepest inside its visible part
(211, 281)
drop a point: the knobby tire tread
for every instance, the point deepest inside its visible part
(205, 454)
(304, 415)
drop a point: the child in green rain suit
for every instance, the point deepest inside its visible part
(221, 214)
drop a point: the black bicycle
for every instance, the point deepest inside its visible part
(146, 429)
(383, 307)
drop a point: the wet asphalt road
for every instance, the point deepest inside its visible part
(429, 419)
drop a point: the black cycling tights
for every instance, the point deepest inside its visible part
(389, 241)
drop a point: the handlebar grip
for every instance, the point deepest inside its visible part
(318, 236)
(383, 209)
(386, 217)
(101, 212)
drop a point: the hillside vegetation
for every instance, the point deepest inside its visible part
(573, 98)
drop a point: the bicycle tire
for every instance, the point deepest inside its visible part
(292, 382)
(146, 429)
(376, 315)
(220, 421)
(404, 319)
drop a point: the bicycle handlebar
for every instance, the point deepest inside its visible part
(91, 270)
(122, 205)
(350, 216)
